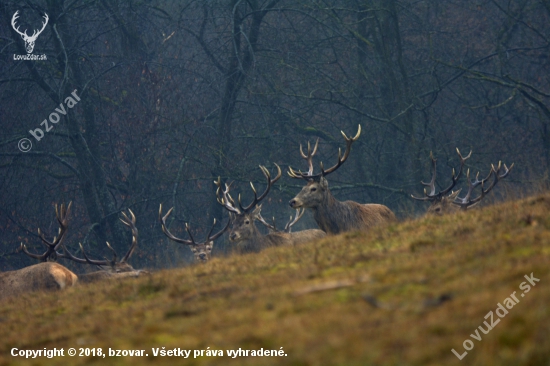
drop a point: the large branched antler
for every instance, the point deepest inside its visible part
(51, 254)
(288, 227)
(225, 199)
(309, 158)
(192, 242)
(129, 221)
(432, 195)
(467, 202)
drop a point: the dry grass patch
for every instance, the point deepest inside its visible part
(400, 295)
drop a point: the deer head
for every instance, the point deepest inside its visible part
(242, 223)
(202, 250)
(316, 190)
(29, 40)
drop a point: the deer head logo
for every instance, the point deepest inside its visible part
(29, 40)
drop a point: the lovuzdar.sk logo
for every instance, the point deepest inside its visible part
(29, 40)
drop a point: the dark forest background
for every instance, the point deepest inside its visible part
(176, 93)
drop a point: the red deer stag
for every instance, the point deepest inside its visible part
(442, 204)
(243, 229)
(111, 269)
(42, 276)
(331, 215)
(201, 251)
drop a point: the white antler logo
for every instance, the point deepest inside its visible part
(29, 41)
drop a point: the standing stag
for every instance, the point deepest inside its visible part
(42, 276)
(243, 229)
(331, 215)
(442, 204)
(201, 251)
(111, 269)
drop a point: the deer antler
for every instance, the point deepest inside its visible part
(51, 253)
(259, 217)
(288, 227)
(229, 203)
(263, 195)
(299, 213)
(309, 157)
(432, 196)
(466, 202)
(209, 236)
(225, 200)
(129, 221)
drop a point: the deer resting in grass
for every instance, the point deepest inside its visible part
(111, 269)
(243, 229)
(331, 215)
(442, 204)
(42, 276)
(201, 251)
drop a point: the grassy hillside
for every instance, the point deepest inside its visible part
(401, 295)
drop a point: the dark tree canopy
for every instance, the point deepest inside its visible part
(142, 103)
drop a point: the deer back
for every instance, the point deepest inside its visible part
(306, 236)
(257, 244)
(108, 275)
(42, 276)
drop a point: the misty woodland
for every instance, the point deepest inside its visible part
(233, 116)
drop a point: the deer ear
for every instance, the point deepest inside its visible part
(257, 211)
(323, 183)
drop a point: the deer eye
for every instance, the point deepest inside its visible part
(247, 222)
(313, 189)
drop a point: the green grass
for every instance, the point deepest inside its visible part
(401, 295)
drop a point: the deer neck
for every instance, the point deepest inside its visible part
(328, 213)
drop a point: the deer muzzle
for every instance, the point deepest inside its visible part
(295, 203)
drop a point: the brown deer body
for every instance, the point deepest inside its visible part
(244, 232)
(298, 237)
(42, 276)
(331, 215)
(334, 216)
